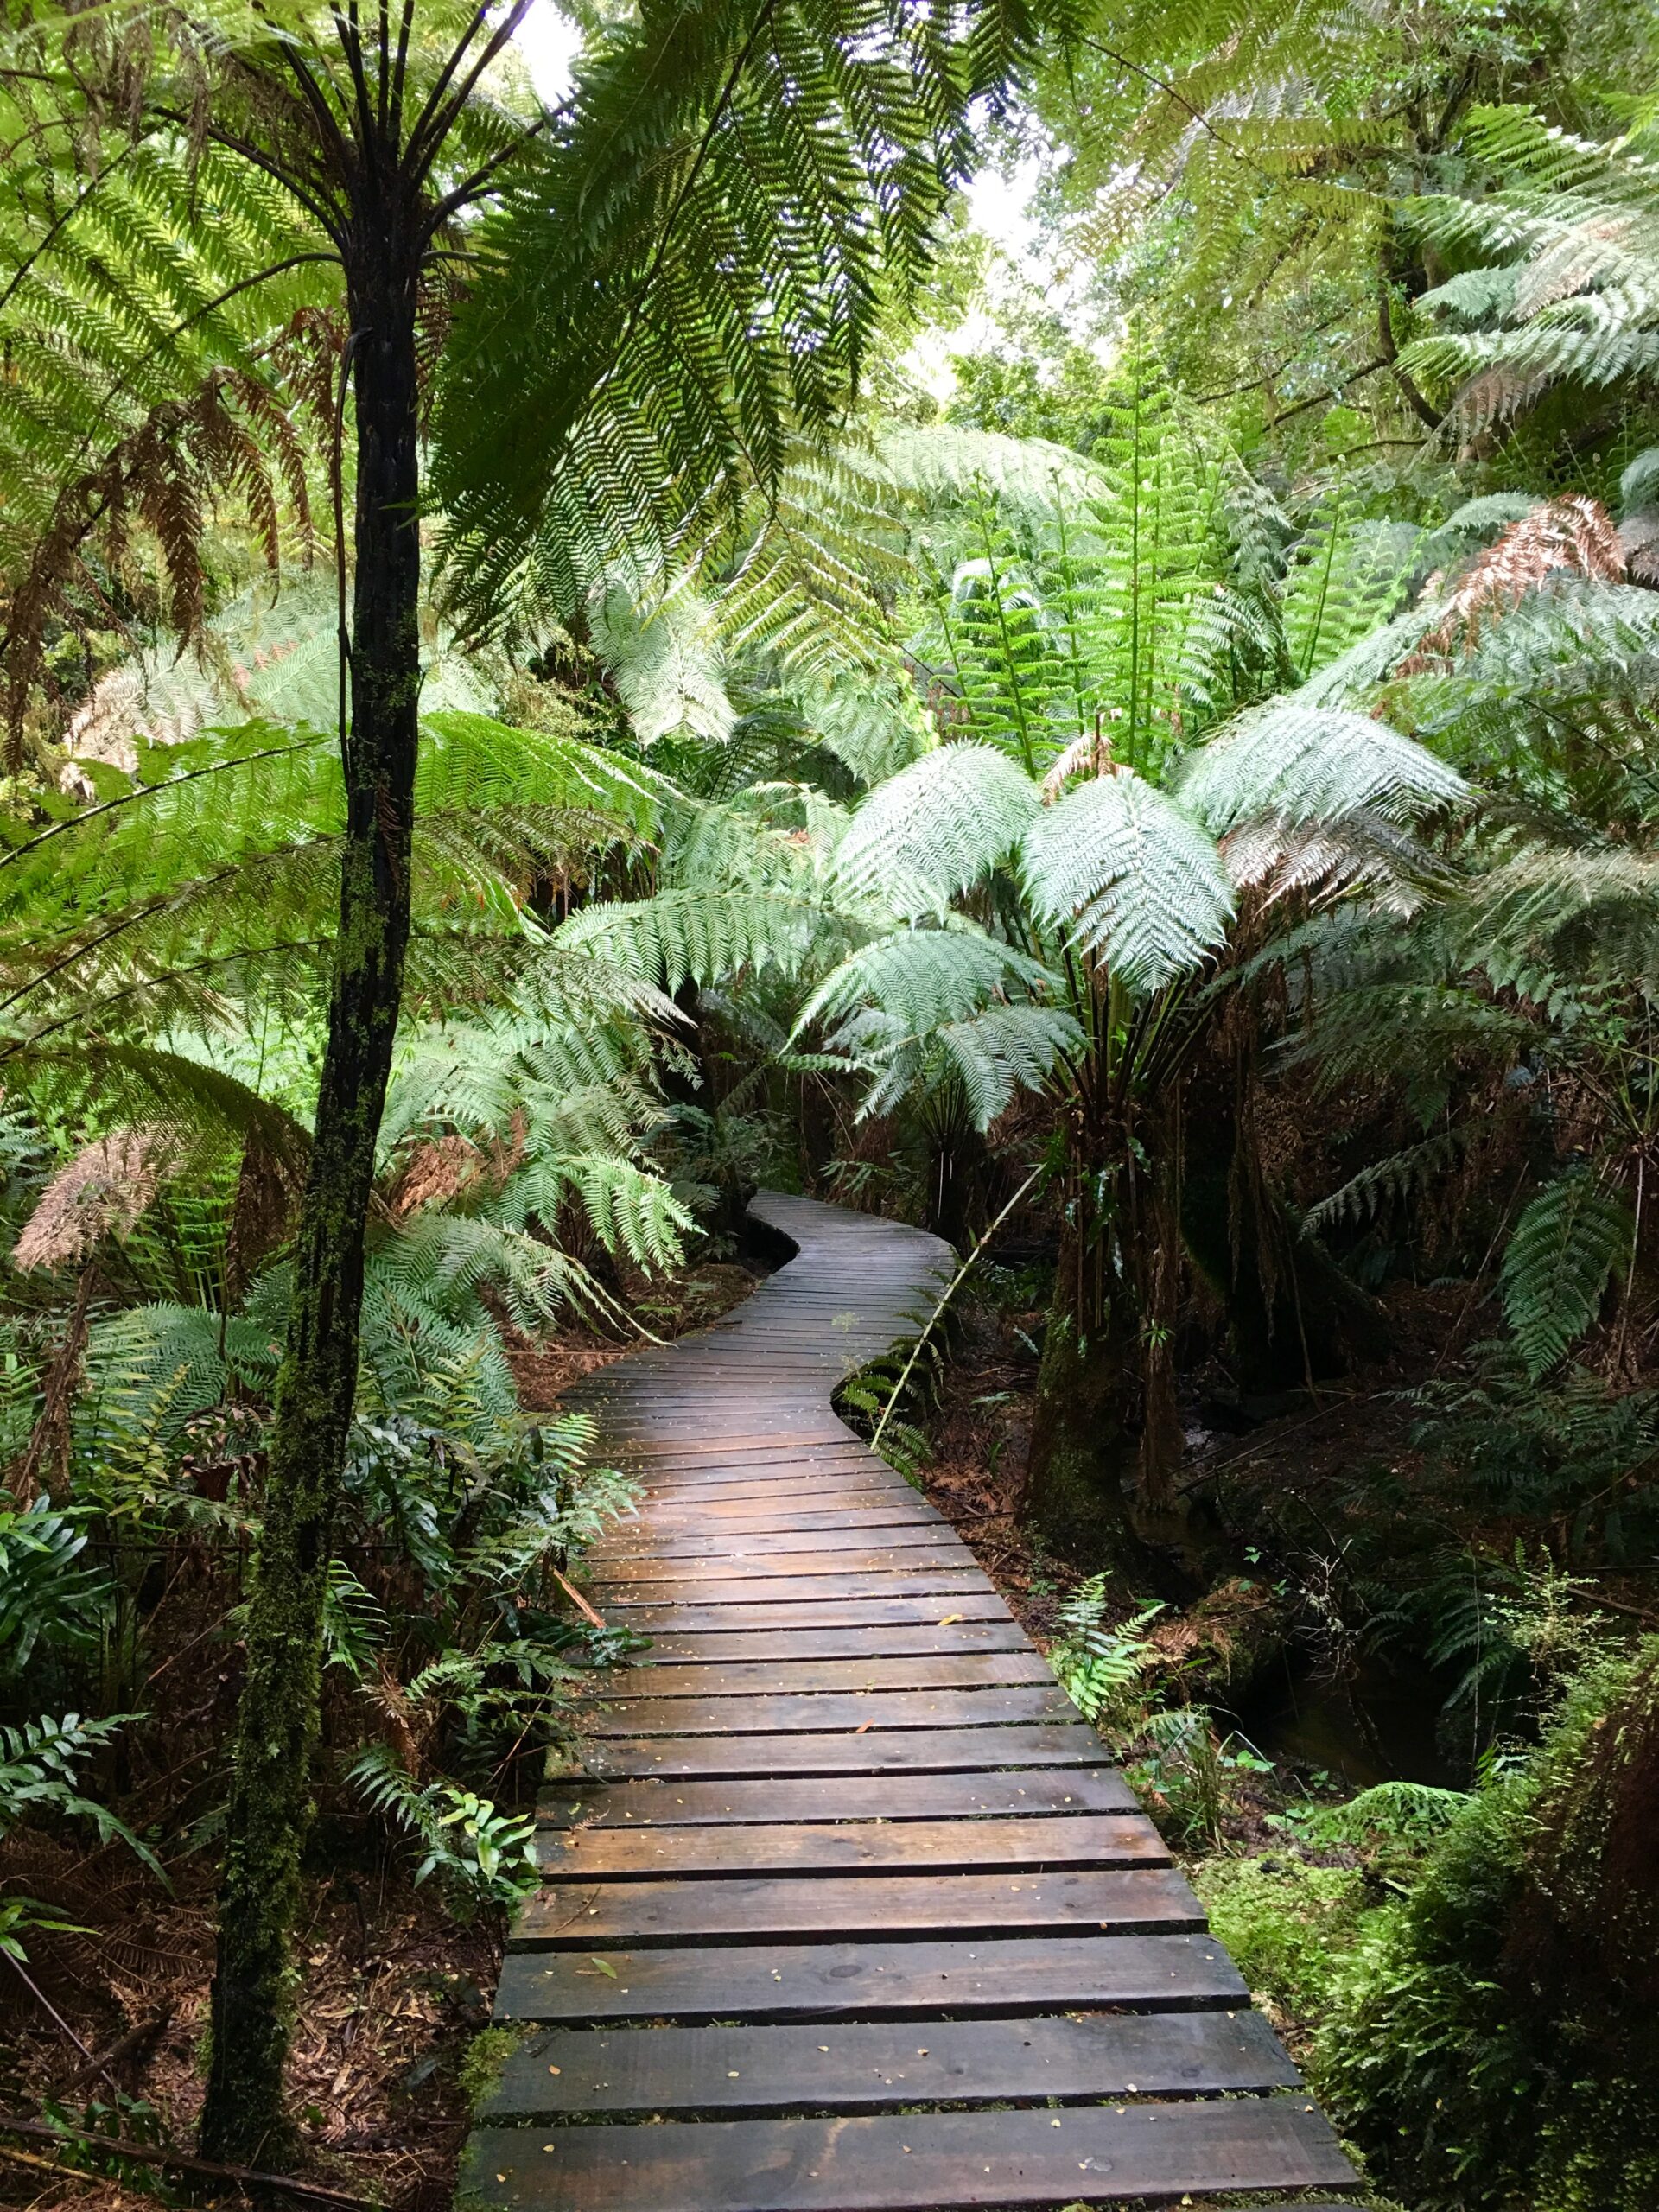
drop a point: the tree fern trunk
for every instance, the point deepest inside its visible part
(1081, 1448)
(270, 1796)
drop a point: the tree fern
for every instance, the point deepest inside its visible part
(1307, 763)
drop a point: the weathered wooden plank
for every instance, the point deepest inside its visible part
(919, 1640)
(800, 1677)
(752, 1908)
(905, 1796)
(863, 1605)
(736, 1563)
(867, 2064)
(861, 1510)
(761, 1714)
(939, 2162)
(774, 1528)
(881, 1751)
(803, 1847)
(785, 1982)
(941, 1581)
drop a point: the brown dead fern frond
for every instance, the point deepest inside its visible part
(101, 1193)
(410, 1726)
(435, 1173)
(232, 437)
(1088, 755)
(1573, 537)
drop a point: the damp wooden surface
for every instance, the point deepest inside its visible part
(846, 1910)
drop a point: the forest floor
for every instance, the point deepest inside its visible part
(1270, 1483)
(106, 2035)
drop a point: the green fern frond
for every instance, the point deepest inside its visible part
(1557, 1265)
(935, 828)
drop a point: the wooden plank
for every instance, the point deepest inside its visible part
(913, 1749)
(672, 1528)
(800, 1677)
(901, 1640)
(865, 2064)
(781, 1493)
(566, 1916)
(804, 1847)
(938, 2162)
(831, 1441)
(1026, 1792)
(864, 1606)
(795, 1580)
(758, 1714)
(783, 1982)
(776, 1490)
(750, 1517)
(763, 1551)
(936, 1582)
(736, 1562)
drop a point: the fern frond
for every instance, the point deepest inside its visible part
(1130, 877)
(935, 828)
(1306, 764)
(1557, 1265)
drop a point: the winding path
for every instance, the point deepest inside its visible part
(850, 1910)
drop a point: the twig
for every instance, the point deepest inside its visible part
(956, 1282)
(1596, 1597)
(134, 2040)
(94, 2065)
(576, 1599)
(148, 2154)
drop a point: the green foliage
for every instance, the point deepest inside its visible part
(1558, 283)
(1102, 1667)
(1482, 2014)
(49, 1595)
(480, 1855)
(1557, 1266)
(40, 1765)
(1407, 1812)
(588, 400)
(1287, 1924)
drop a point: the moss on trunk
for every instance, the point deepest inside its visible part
(270, 1805)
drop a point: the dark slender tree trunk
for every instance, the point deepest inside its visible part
(271, 1792)
(1081, 1447)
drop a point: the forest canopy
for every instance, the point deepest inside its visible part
(569, 655)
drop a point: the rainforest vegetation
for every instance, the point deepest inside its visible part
(568, 656)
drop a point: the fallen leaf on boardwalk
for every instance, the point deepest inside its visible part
(862, 1727)
(950, 1620)
(603, 1969)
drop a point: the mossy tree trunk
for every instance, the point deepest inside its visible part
(1106, 1439)
(271, 1792)
(1080, 1443)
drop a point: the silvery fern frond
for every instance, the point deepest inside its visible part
(928, 832)
(924, 978)
(1128, 878)
(665, 656)
(1306, 764)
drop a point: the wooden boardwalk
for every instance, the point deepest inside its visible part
(852, 1909)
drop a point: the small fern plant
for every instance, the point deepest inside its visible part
(1103, 1666)
(482, 1856)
